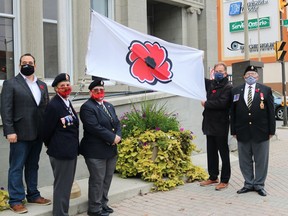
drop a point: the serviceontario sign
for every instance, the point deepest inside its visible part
(264, 13)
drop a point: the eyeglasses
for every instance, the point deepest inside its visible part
(254, 74)
(96, 90)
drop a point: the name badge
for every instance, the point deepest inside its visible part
(236, 97)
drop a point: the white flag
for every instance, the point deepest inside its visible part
(122, 54)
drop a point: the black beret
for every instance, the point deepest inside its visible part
(251, 68)
(96, 82)
(60, 78)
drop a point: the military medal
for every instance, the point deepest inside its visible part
(262, 99)
(63, 122)
(67, 120)
(261, 105)
(262, 96)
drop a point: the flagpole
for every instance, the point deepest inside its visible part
(246, 38)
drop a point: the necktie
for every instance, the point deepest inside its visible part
(249, 99)
(106, 111)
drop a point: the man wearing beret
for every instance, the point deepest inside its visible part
(253, 124)
(23, 101)
(102, 133)
(61, 137)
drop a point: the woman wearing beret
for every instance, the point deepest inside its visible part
(102, 133)
(61, 137)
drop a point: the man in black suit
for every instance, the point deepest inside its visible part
(102, 133)
(23, 101)
(61, 136)
(253, 124)
(216, 126)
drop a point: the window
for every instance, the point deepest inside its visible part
(100, 6)
(104, 7)
(50, 38)
(6, 6)
(6, 40)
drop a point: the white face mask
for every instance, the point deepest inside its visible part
(250, 80)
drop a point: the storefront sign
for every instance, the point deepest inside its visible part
(238, 26)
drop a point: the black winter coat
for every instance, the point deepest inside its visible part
(217, 106)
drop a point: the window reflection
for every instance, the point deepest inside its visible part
(100, 6)
(50, 9)
(50, 38)
(50, 50)
(6, 6)
(6, 48)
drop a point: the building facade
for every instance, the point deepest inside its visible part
(56, 32)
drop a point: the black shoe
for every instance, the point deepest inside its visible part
(244, 190)
(99, 213)
(261, 192)
(107, 209)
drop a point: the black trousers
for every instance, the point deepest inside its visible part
(219, 144)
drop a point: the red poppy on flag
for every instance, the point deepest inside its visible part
(149, 62)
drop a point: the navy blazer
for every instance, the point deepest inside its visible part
(99, 130)
(19, 110)
(61, 130)
(255, 124)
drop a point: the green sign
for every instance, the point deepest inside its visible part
(285, 23)
(238, 26)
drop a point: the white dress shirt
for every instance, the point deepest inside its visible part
(246, 92)
(34, 88)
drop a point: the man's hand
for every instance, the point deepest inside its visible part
(12, 138)
(203, 103)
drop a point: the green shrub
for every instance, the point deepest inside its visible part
(154, 147)
(4, 197)
(149, 117)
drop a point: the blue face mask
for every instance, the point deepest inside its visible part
(218, 76)
(250, 80)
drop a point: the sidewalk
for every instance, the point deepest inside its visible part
(130, 196)
(193, 200)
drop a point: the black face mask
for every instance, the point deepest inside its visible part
(27, 70)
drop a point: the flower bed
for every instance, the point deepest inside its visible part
(4, 197)
(156, 148)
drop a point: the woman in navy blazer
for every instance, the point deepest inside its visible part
(102, 133)
(61, 137)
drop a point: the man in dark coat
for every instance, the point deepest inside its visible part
(216, 126)
(23, 102)
(102, 133)
(61, 137)
(253, 124)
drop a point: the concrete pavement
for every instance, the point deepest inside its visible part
(132, 197)
(193, 200)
